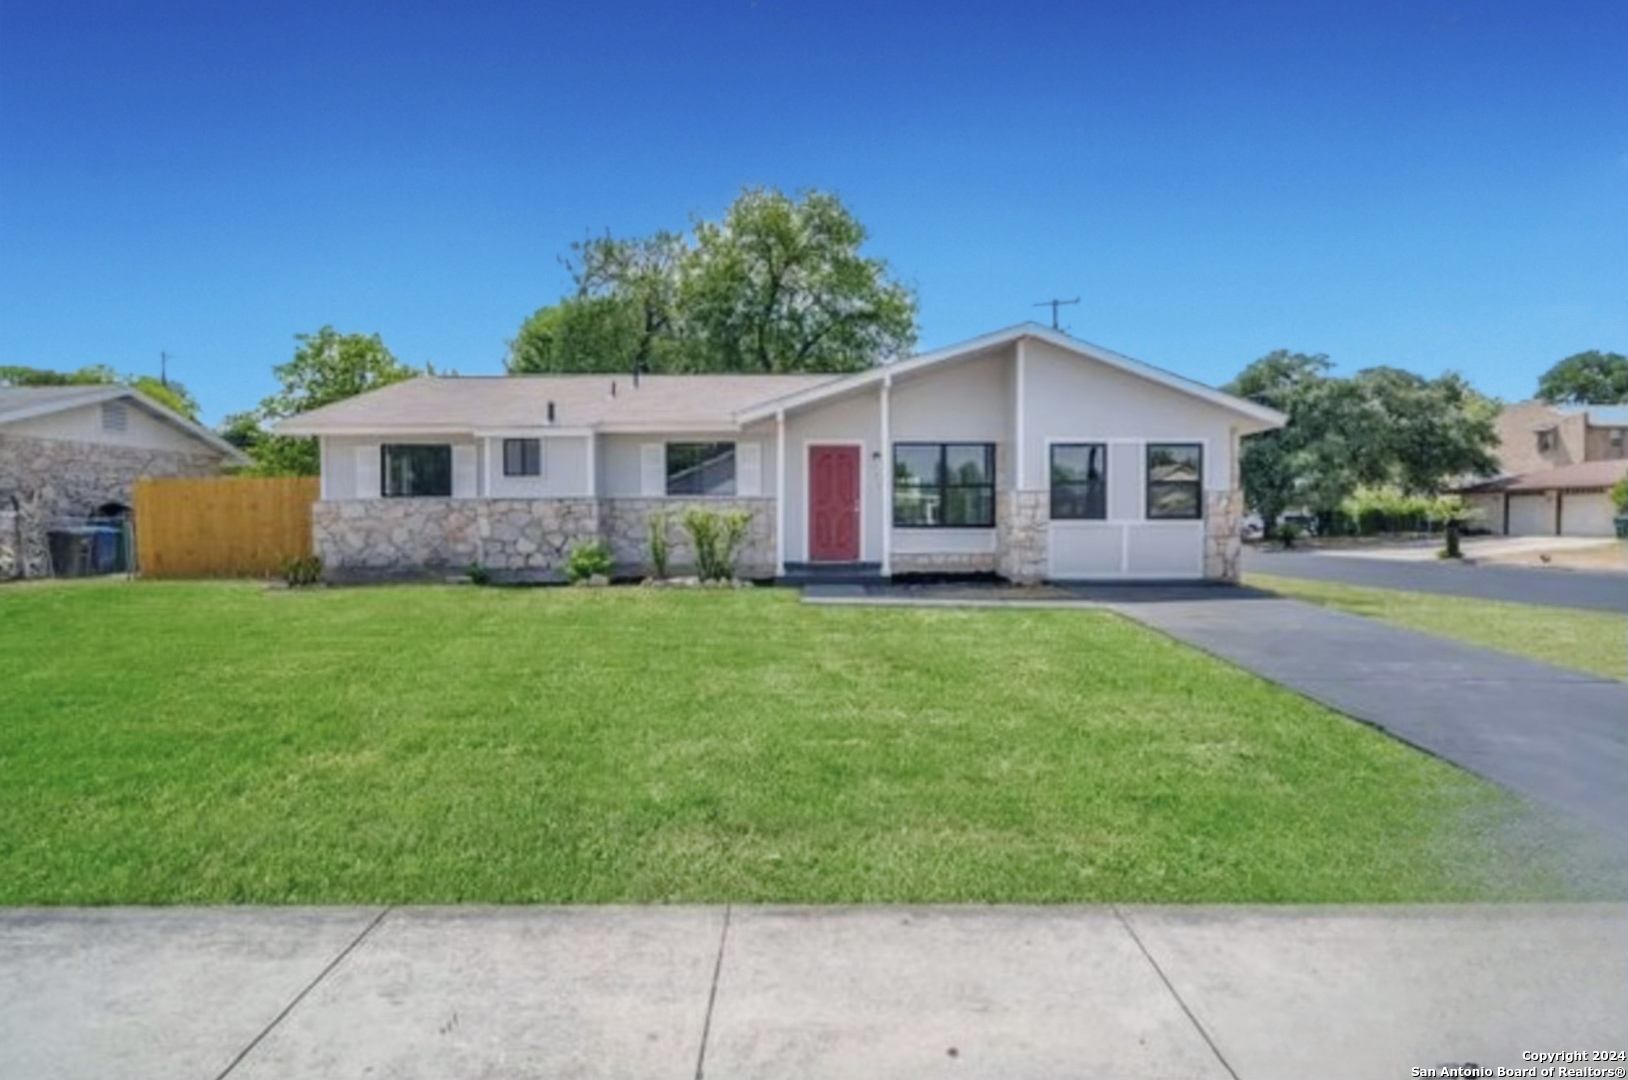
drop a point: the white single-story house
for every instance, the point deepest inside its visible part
(67, 452)
(1024, 453)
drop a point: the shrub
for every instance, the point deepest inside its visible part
(656, 528)
(591, 558)
(1619, 495)
(479, 574)
(716, 539)
(302, 570)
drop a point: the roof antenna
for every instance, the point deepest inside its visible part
(1054, 305)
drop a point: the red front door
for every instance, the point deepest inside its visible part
(833, 504)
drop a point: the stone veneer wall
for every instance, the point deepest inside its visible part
(1021, 520)
(389, 537)
(400, 537)
(964, 562)
(65, 479)
(1223, 534)
(625, 527)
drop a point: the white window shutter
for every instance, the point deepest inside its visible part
(367, 472)
(749, 469)
(464, 480)
(652, 469)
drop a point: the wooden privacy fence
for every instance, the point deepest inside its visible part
(226, 526)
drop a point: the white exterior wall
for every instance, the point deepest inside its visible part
(1069, 399)
(564, 462)
(856, 419)
(142, 431)
(620, 460)
(970, 401)
(339, 461)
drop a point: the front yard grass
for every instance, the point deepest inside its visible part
(1594, 641)
(213, 743)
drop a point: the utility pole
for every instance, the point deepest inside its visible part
(164, 369)
(1054, 305)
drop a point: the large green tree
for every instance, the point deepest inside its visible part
(167, 392)
(327, 367)
(779, 284)
(1382, 427)
(1586, 378)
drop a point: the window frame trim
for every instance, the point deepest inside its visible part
(504, 452)
(943, 488)
(667, 478)
(1107, 474)
(384, 470)
(1147, 479)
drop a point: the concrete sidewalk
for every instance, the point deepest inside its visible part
(1119, 993)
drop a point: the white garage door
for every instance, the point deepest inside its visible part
(1531, 515)
(1587, 513)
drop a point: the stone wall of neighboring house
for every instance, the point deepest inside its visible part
(1223, 534)
(64, 480)
(380, 538)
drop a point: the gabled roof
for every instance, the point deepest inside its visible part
(1582, 476)
(1267, 418)
(26, 402)
(492, 403)
(432, 404)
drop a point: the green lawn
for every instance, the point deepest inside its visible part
(166, 743)
(1594, 641)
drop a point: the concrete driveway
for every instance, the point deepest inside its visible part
(1588, 590)
(1116, 993)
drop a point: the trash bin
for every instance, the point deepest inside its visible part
(1621, 521)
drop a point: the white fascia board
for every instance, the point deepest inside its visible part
(538, 432)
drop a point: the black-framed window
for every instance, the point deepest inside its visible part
(701, 468)
(1175, 481)
(416, 470)
(522, 457)
(944, 485)
(1079, 481)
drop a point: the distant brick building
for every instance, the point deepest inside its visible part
(1558, 463)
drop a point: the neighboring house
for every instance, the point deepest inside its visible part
(1024, 453)
(67, 452)
(1557, 463)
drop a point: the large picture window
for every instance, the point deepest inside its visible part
(1175, 481)
(522, 457)
(701, 468)
(416, 470)
(1079, 482)
(944, 485)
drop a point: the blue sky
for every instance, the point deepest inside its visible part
(1431, 185)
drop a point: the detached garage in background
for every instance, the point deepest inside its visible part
(1573, 500)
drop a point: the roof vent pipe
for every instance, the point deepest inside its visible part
(550, 412)
(613, 388)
